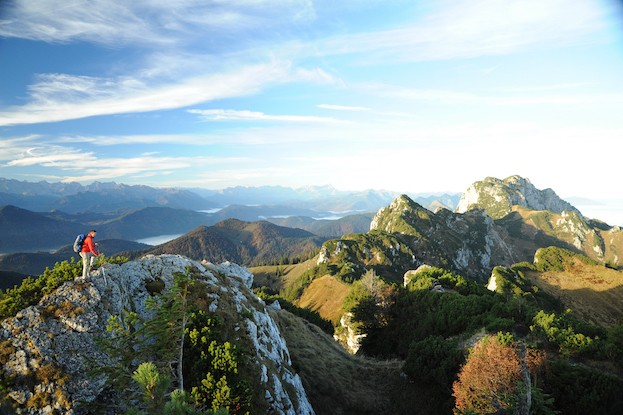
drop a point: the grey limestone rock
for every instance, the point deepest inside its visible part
(53, 344)
(497, 197)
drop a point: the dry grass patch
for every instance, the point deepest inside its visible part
(593, 292)
(276, 277)
(338, 383)
(326, 296)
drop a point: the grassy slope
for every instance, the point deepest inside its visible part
(547, 222)
(326, 296)
(338, 383)
(593, 292)
(277, 276)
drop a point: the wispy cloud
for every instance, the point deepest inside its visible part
(69, 160)
(37, 151)
(168, 80)
(12, 147)
(268, 133)
(467, 29)
(462, 29)
(111, 22)
(245, 115)
(86, 166)
(142, 166)
(67, 163)
(525, 96)
(131, 168)
(58, 97)
(342, 107)
(104, 21)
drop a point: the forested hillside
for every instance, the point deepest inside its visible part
(248, 243)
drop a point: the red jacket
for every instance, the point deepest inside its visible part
(89, 246)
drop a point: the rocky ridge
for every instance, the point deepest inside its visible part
(497, 197)
(58, 336)
(405, 235)
(470, 243)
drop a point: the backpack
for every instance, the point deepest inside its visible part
(78, 243)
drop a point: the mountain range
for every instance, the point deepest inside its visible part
(41, 218)
(96, 197)
(225, 240)
(331, 228)
(497, 222)
(415, 296)
(109, 197)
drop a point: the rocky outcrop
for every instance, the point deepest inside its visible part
(405, 235)
(49, 348)
(470, 243)
(497, 197)
(409, 275)
(349, 337)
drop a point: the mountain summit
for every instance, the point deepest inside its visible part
(497, 197)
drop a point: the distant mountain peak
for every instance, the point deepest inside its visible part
(497, 197)
(398, 216)
(517, 181)
(249, 243)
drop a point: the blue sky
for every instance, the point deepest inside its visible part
(412, 96)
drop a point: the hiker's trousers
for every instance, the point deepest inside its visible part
(88, 259)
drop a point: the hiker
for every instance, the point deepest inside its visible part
(88, 253)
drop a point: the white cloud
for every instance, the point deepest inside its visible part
(173, 80)
(12, 147)
(467, 29)
(147, 139)
(461, 29)
(342, 107)
(245, 115)
(526, 96)
(112, 22)
(65, 163)
(68, 160)
(36, 151)
(58, 97)
(315, 76)
(289, 132)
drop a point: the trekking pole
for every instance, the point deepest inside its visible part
(103, 268)
(104, 274)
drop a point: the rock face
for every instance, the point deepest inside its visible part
(349, 338)
(469, 243)
(497, 197)
(50, 347)
(405, 235)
